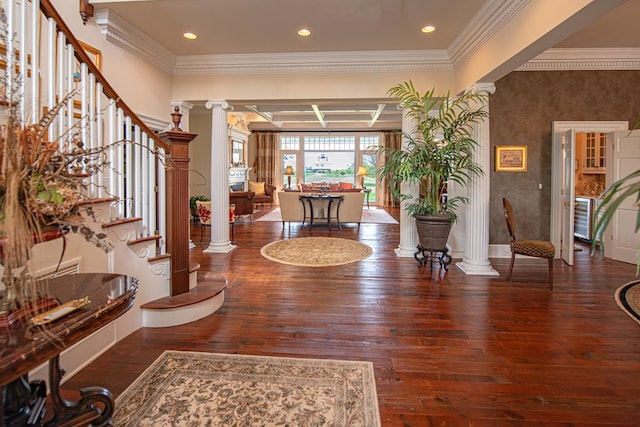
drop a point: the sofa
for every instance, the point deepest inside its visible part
(350, 209)
(328, 187)
(243, 200)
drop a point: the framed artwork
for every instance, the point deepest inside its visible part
(511, 158)
(94, 54)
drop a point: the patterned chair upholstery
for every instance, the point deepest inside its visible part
(533, 248)
(204, 213)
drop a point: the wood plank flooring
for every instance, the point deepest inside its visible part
(447, 351)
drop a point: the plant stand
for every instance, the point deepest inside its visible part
(424, 255)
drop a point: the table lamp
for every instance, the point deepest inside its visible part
(288, 171)
(362, 172)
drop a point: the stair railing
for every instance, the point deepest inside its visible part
(52, 64)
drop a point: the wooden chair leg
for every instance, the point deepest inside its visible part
(513, 258)
(551, 273)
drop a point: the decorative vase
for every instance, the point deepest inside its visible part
(433, 231)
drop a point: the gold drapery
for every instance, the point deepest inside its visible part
(265, 164)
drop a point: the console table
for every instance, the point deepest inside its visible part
(313, 201)
(24, 347)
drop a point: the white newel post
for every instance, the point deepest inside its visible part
(408, 233)
(219, 178)
(185, 108)
(476, 257)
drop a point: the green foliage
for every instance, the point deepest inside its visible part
(438, 150)
(193, 199)
(612, 198)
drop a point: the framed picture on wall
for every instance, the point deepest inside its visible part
(511, 158)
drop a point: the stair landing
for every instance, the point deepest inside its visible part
(201, 301)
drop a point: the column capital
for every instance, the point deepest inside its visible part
(482, 88)
(220, 103)
(185, 106)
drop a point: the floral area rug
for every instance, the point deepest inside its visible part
(316, 251)
(209, 389)
(373, 216)
(628, 298)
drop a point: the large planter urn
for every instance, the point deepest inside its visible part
(433, 231)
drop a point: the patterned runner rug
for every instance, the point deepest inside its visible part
(628, 298)
(316, 251)
(191, 388)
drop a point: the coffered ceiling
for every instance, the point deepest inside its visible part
(247, 29)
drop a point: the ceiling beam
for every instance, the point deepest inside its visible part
(267, 116)
(319, 115)
(375, 115)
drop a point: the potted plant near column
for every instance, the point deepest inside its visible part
(438, 150)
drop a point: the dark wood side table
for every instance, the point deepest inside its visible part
(24, 347)
(367, 191)
(312, 201)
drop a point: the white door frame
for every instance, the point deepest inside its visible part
(557, 129)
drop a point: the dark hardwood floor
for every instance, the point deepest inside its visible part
(453, 350)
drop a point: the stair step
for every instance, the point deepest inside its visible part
(121, 221)
(205, 290)
(143, 240)
(193, 266)
(159, 257)
(96, 201)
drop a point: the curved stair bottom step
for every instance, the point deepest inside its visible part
(199, 302)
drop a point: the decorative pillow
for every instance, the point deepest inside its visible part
(334, 186)
(307, 187)
(257, 187)
(345, 185)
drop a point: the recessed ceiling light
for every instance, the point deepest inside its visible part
(428, 29)
(304, 32)
(189, 36)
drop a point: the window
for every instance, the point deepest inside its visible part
(330, 158)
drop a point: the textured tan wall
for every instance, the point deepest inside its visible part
(522, 109)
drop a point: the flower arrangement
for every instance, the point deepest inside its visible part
(40, 186)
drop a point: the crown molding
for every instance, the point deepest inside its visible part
(491, 17)
(584, 59)
(317, 62)
(122, 33)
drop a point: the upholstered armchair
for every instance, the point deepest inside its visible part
(265, 193)
(243, 200)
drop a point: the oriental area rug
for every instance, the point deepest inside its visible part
(209, 389)
(628, 298)
(316, 251)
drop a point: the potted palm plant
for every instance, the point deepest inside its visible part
(440, 149)
(612, 198)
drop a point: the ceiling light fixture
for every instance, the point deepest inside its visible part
(189, 36)
(304, 32)
(428, 29)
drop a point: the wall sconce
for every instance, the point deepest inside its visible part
(288, 171)
(362, 172)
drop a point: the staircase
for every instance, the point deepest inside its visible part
(134, 211)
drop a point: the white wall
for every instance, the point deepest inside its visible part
(143, 87)
(200, 153)
(316, 86)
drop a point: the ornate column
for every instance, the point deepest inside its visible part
(476, 257)
(185, 108)
(408, 232)
(219, 178)
(177, 194)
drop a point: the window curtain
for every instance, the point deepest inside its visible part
(391, 139)
(265, 164)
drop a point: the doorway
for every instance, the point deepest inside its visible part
(563, 158)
